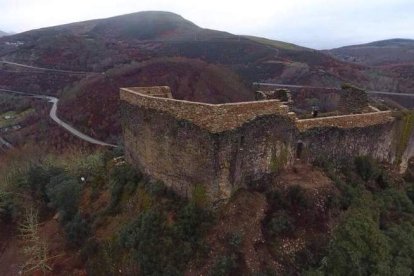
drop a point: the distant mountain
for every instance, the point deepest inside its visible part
(3, 33)
(146, 25)
(163, 48)
(384, 52)
(99, 45)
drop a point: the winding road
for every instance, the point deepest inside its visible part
(55, 118)
(47, 69)
(5, 143)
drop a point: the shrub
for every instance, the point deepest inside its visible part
(394, 200)
(402, 248)
(410, 191)
(162, 248)
(383, 180)
(38, 178)
(279, 223)
(92, 168)
(123, 178)
(296, 196)
(199, 196)
(150, 241)
(235, 240)
(224, 265)
(77, 230)
(366, 168)
(64, 194)
(358, 246)
(7, 207)
(191, 222)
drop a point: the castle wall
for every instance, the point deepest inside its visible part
(213, 117)
(338, 138)
(174, 151)
(257, 149)
(221, 148)
(161, 141)
(339, 144)
(409, 153)
(346, 121)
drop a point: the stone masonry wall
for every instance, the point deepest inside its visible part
(155, 91)
(346, 121)
(353, 100)
(174, 151)
(340, 144)
(220, 148)
(214, 117)
(185, 156)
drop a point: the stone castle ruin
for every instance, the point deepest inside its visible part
(218, 148)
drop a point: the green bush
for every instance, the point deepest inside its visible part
(410, 191)
(395, 200)
(296, 197)
(280, 222)
(161, 248)
(366, 168)
(358, 247)
(64, 194)
(235, 240)
(123, 178)
(77, 230)
(38, 177)
(191, 223)
(7, 207)
(92, 169)
(224, 265)
(401, 238)
(151, 243)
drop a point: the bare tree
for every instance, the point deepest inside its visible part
(35, 248)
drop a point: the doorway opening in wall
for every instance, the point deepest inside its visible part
(299, 149)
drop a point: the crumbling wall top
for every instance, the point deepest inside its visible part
(346, 121)
(213, 117)
(155, 91)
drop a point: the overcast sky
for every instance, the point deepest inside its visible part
(317, 24)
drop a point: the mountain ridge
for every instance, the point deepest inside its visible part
(120, 43)
(377, 53)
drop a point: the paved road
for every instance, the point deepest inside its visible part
(5, 143)
(46, 69)
(55, 118)
(330, 88)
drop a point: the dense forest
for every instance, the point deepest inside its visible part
(116, 220)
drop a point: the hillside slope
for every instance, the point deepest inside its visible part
(93, 102)
(98, 45)
(107, 45)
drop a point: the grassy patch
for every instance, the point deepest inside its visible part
(11, 118)
(279, 159)
(406, 126)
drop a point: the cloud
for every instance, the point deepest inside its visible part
(313, 23)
